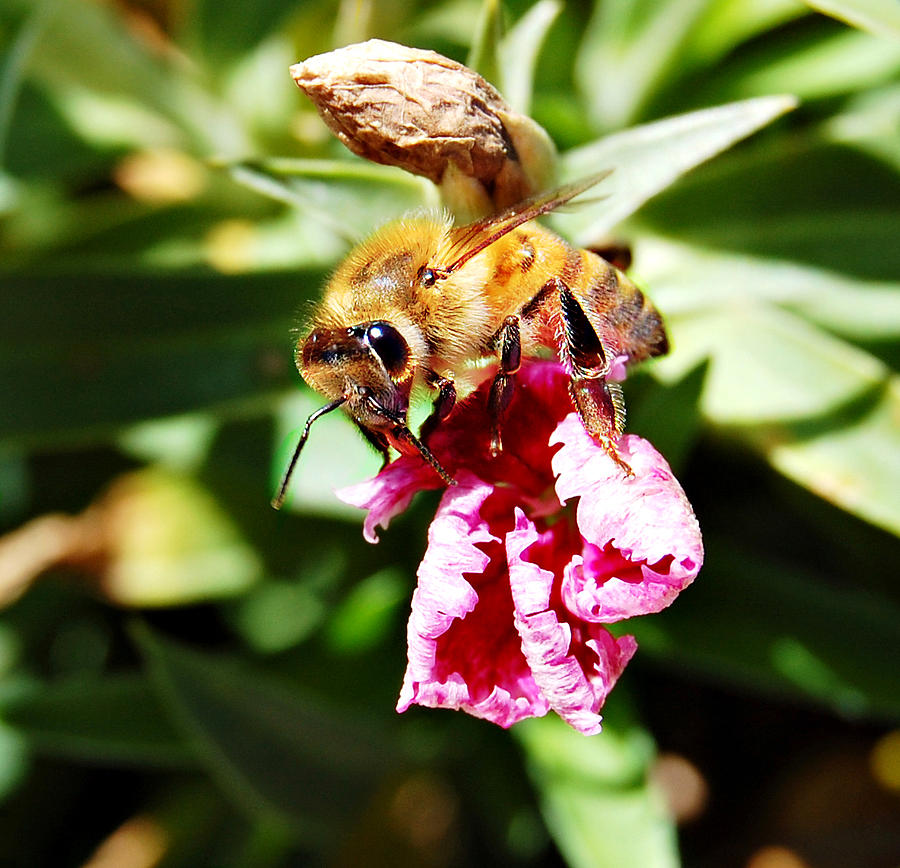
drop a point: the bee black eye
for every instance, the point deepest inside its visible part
(389, 345)
(428, 277)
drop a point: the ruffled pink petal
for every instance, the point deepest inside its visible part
(642, 540)
(574, 665)
(463, 649)
(390, 492)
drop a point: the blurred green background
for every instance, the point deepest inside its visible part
(189, 678)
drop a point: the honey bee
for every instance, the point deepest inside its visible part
(422, 299)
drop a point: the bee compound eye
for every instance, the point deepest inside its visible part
(389, 345)
(428, 277)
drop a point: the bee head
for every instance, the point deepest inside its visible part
(369, 365)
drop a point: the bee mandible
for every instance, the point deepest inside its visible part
(422, 299)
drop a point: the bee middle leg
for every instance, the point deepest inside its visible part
(509, 343)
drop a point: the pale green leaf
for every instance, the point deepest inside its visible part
(648, 158)
(687, 280)
(853, 462)
(335, 455)
(594, 794)
(349, 196)
(768, 365)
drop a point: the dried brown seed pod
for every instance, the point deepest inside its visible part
(431, 116)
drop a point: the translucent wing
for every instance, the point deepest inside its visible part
(470, 240)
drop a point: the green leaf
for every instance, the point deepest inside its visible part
(111, 81)
(16, 58)
(756, 622)
(647, 159)
(484, 53)
(595, 797)
(812, 202)
(842, 63)
(223, 32)
(851, 458)
(821, 410)
(81, 354)
(769, 366)
(112, 720)
(689, 281)
(519, 52)
(629, 47)
(272, 750)
(725, 24)
(877, 16)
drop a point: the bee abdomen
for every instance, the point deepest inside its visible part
(626, 313)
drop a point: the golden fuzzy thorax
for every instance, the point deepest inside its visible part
(481, 277)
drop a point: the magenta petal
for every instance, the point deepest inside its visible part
(643, 543)
(463, 650)
(574, 666)
(390, 492)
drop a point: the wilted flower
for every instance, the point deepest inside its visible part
(530, 554)
(432, 116)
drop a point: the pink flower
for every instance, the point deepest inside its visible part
(530, 554)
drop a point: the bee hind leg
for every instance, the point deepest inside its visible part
(599, 403)
(509, 343)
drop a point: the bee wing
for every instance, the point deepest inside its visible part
(472, 239)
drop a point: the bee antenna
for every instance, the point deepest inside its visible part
(278, 500)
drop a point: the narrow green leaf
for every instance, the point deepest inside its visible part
(271, 749)
(627, 50)
(842, 63)
(13, 65)
(595, 797)
(877, 16)
(647, 159)
(484, 55)
(110, 720)
(519, 52)
(724, 25)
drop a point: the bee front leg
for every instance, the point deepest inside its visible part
(598, 402)
(509, 342)
(443, 403)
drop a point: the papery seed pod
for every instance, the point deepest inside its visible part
(431, 116)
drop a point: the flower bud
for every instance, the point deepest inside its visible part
(431, 116)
